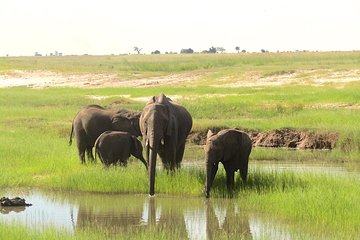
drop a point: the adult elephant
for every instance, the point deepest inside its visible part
(232, 148)
(165, 126)
(93, 120)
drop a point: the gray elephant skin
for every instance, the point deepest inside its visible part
(232, 148)
(165, 126)
(93, 120)
(115, 147)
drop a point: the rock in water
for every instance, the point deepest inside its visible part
(17, 201)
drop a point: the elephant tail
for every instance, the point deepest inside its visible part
(71, 134)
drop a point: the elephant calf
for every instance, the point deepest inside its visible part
(232, 148)
(115, 146)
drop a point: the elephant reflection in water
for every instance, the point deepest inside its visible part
(230, 221)
(7, 210)
(216, 220)
(165, 216)
(187, 219)
(129, 214)
(109, 215)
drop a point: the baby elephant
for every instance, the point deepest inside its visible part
(232, 148)
(115, 146)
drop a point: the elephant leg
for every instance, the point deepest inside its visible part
(214, 171)
(81, 144)
(244, 170)
(81, 150)
(89, 154)
(114, 160)
(179, 155)
(123, 162)
(82, 156)
(171, 157)
(229, 179)
(162, 155)
(108, 159)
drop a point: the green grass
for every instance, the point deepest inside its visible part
(35, 126)
(233, 66)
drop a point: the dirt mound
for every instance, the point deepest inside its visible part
(289, 138)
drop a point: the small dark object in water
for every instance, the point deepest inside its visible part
(14, 202)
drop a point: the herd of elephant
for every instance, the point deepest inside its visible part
(164, 126)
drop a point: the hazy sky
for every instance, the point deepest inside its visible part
(115, 26)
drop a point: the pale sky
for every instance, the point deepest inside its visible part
(116, 26)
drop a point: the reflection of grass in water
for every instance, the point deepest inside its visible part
(11, 231)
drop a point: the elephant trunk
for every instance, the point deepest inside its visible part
(211, 169)
(208, 180)
(152, 168)
(144, 162)
(152, 146)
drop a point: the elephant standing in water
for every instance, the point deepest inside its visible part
(93, 120)
(232, 148)
(165, 126)
(115, 146)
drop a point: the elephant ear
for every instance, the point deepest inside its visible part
(163, 99)
(120, 123)
(151, 100)
(136, 148)
(209, 134)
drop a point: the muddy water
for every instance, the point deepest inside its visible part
(191, 218)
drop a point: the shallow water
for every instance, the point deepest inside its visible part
(192, 218)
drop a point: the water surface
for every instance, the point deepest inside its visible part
(116, 214)
(187, 217)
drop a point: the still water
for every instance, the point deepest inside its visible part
(192, 218)
(189, 218)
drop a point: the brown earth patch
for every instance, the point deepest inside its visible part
(288, 138)
(44, 79)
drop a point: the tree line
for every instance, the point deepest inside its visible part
(190, 50)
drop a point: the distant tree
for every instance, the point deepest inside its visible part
(187, 50)
(220, 49)
(263, 51)
(212, 50)
(137, 49)
(237, 49)
(243, 51)
(155, 52)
